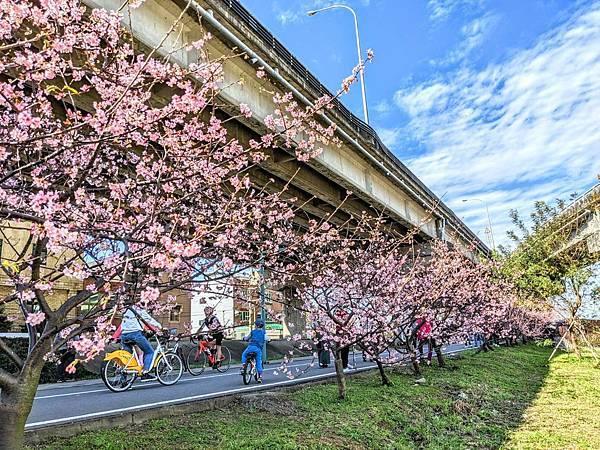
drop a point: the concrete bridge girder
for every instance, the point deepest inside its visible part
(341, 166)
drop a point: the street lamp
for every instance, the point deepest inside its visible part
(360, 61)
(487, 210)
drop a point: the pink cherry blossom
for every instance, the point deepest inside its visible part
(245, 110)
(34, 319)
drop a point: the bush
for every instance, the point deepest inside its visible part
(545, 343)
(5, 325)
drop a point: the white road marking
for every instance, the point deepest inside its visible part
(182, 400)
(185, 380)
(69, 394)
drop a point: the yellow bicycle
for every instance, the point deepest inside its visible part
(121, 368)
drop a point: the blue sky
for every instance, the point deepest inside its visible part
(491, 100)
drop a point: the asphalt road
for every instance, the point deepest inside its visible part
(63, 403)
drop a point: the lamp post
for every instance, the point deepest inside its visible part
(487, 210)
(360, 60)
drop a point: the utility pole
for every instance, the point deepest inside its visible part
(263, 311)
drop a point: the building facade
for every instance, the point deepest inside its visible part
(237, 304)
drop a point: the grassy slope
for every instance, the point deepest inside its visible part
(478, 402)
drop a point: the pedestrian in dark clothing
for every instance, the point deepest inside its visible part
(67, 356)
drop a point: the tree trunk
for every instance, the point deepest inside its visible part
(415, 362)
(16, 400)
(340, 375)
(439, 355)
(12, 426)
(384, 378)
(15, 406)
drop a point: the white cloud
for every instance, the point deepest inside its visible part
(382, 107)
(441, 9)
(288, 16)
(423, 99)
(389, 136)
(291, 15)
(523, 130)
(473, 35)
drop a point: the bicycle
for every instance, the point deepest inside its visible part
(121, 368)
(249, 370)
(199, 357)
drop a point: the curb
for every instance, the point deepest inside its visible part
(136, 416)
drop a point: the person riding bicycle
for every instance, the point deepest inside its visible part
(215, 333)
(132, 327)
(256, 339)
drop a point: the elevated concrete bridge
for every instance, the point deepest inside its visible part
(362, 165)
(581, 225)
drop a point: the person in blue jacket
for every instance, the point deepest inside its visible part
(256, 339)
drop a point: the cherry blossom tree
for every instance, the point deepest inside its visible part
(365, 288)
(121, 167)
(458, 296)
(348, 283)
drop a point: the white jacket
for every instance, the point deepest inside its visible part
(131, 323)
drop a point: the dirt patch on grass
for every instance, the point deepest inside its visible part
(269, 402)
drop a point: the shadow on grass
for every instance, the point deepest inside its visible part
(566, 412)
(476, 402)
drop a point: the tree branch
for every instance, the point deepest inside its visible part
(7, 381)
(11, 353)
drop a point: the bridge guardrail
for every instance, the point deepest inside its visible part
(365, 131)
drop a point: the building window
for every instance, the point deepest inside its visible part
(175, 314)
(92, 302)
(244, 316)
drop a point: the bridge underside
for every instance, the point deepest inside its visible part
(321, 185)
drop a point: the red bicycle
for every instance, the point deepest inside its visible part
(202, 355)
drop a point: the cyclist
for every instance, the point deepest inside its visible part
(215, 333)
(256, 339)
(132, 326)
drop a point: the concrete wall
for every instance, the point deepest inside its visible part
(220, 298)
(13, 239)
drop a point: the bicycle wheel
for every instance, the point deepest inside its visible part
(169, 369)
(247, 375)
(226, 361)
(195, 361)
(115, 377)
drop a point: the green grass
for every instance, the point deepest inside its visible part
(508, 398)
(566, 412)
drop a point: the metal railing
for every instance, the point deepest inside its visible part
(582, 200)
